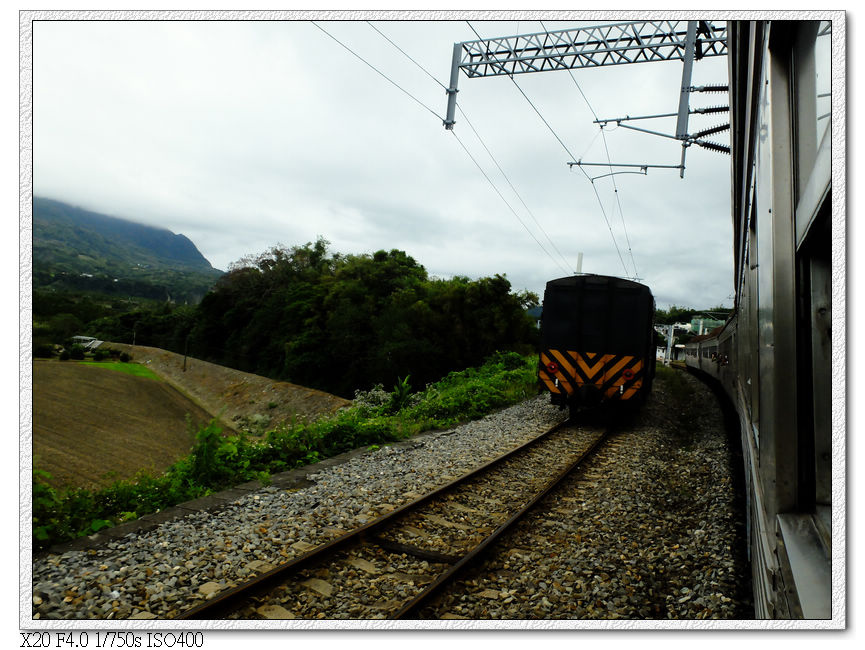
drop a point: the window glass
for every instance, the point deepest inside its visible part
(812, 79)
(823, 77)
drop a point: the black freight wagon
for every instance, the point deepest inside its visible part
(597, 341)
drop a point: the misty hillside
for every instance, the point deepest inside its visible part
(80, 250)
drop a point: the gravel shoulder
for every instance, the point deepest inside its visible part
(650, 528)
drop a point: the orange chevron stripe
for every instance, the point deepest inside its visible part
(551, 386)
(564, 385)
(590, 372)
(615, 370)
(564, 362)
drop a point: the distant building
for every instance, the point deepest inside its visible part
(536, 312)
(87, 342)
(703, 324)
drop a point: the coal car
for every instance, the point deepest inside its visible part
(597, 341)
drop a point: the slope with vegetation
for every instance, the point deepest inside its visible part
(76, 250)
(218, 461)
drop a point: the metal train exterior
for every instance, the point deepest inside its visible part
(773, 357)
(597, 341)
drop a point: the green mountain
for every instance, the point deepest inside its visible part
(78, 250)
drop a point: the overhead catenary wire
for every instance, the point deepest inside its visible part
(496, 189)
(377, 70)
(564, 267)
(609, 160)
(423, 69)
(565, 147)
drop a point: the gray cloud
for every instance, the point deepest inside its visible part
(242, 135)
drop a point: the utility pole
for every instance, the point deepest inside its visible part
(670, 329)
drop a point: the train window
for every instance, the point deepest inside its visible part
(812, 78)
(814, 280)
(823, 76)
(812, 88)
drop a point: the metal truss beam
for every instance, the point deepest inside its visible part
(588, 47)
(585, 47)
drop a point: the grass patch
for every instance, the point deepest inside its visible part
(135, 369)
(218, 461)
(679, 387)
(682, 406)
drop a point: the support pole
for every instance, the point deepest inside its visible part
(452, 89)
(687, 68)
(668, 355)
(685, 92)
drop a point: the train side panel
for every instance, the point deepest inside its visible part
(773, 358)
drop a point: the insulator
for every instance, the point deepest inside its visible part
(712, 109)
(714, 146)
(712, 89)
(712, 131)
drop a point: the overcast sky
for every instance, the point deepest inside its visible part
(245, 134)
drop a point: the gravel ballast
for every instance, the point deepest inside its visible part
(648, 529)
(659, 535)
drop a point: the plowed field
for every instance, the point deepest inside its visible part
(92, 425)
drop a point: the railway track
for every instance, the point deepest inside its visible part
(394, 565)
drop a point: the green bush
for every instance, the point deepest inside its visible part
(43, 350)
(400, 395)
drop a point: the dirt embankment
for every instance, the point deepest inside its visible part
(234, 396)
(92, 426)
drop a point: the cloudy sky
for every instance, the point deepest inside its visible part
(244, 134)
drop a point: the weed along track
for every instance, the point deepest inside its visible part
(391, 566)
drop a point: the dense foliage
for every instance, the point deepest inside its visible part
(337, 322)
(219, 461)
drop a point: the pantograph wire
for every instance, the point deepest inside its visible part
(565, 268)
(609, 161)
(377, 70)
(565, 147)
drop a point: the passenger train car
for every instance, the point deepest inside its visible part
(597, 341)
(774, 355)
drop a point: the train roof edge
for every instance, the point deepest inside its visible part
(580, 278)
